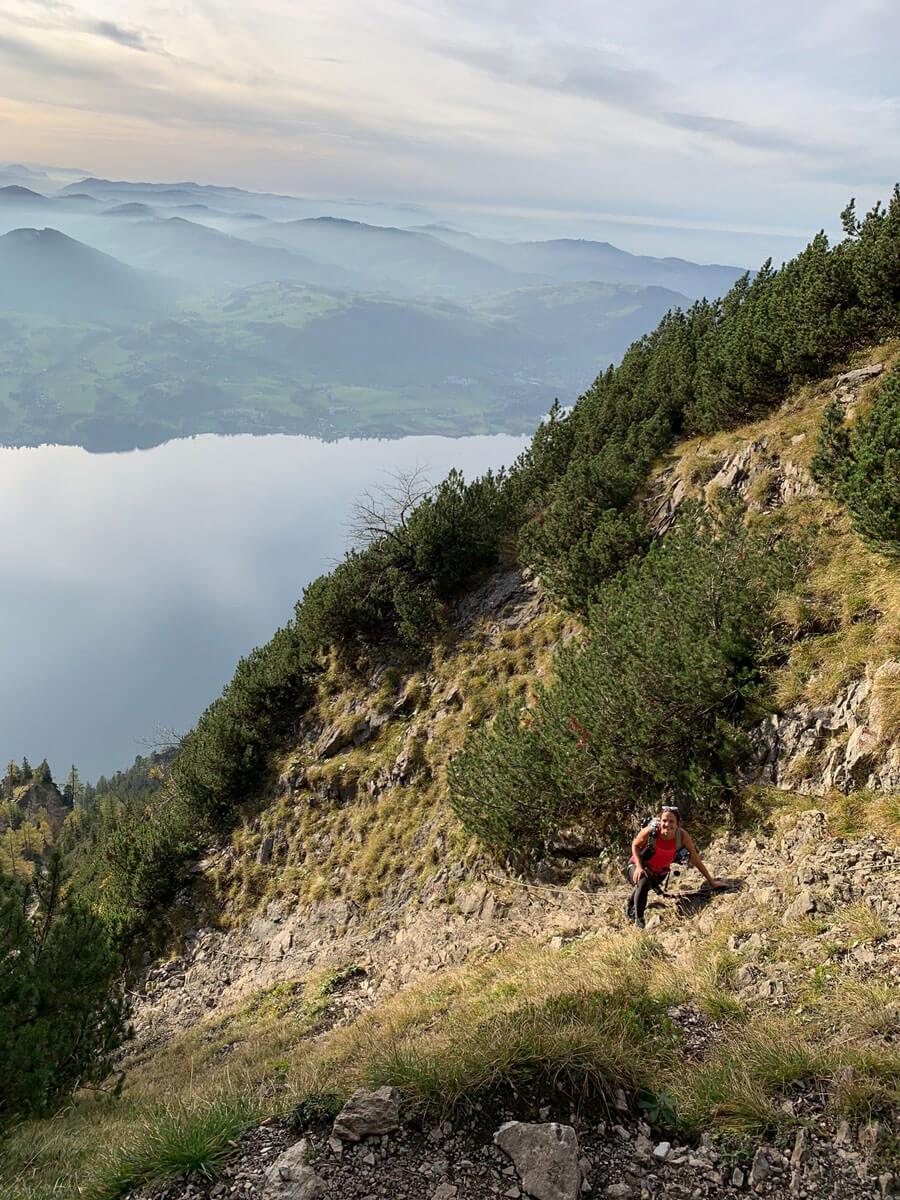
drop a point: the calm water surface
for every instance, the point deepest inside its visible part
(132, 583)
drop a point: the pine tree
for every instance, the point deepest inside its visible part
(62, 1014)
(871, 482)
(832, 460)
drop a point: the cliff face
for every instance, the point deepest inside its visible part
(36, 802)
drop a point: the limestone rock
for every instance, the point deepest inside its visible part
(367, 1113)
(334, 739)
(860, 375)
(445, 1191)
(860, 748)
(800, 907)
(800, 1153)
(545, 1156)
(509, 600)
(760, 1168)
(290, 1178)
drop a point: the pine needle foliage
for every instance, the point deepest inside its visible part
(861, 465)
(650, 699)
(62, 1015)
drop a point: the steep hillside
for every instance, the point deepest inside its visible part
(351, 933)
(359, 823)
(388, 856)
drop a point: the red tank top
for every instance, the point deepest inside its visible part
(663, 856)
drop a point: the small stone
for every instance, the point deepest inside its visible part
(289, 1177)
(886, 1183)
(871, 1136)
(444, 1191)
(737, 1178)
(760, 1168)
(800, 907)
(800, 1153)
(662, 1150)
(619, 1191)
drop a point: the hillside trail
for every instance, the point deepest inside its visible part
(790, 885)
(790, 872)
(780, 879)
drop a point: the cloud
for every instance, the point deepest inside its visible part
(132, 38)
(667, 112)
(568, 70)
(737, 132)
(602, 76)
(24, 57)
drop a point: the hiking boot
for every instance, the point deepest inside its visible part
(639, 923)
(629, 912)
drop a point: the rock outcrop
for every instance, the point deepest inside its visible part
(844, 745)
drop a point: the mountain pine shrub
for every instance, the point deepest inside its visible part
(62, 1015)
(651, 698)
(861, 465)
(716, 365)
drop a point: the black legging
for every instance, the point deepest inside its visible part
(638, 901)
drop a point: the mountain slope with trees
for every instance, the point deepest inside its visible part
(496, 683)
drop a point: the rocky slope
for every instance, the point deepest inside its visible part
(542, 1159)
(356, 872)
(803, 905)
(366, 756)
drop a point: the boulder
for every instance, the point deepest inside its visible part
(545, 1156)
(290, 1178)
(367, 1113)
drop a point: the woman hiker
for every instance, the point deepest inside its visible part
(652, 853)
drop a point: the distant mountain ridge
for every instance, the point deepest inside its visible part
(43, 271)
(294, 315)
(571, 260)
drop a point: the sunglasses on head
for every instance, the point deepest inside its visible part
(668, 808)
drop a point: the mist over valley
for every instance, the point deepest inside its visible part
(132, 313)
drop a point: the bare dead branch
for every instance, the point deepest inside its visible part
(384, 512)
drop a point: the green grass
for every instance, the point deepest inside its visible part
(173, 1141)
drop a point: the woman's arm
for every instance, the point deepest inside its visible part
(637, 848)
(696, 861)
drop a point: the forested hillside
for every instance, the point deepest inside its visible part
(504, 663)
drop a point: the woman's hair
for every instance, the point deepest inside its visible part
(670, 808)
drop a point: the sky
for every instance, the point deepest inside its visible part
(697, 124)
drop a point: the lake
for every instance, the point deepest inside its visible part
(133, 583)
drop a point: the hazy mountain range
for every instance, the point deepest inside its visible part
(125, 315)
